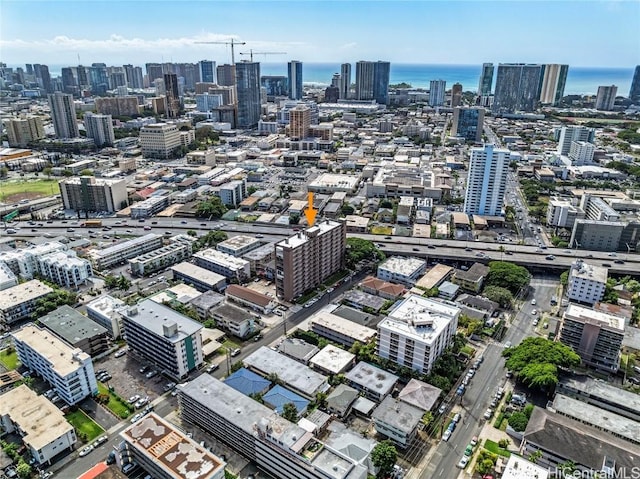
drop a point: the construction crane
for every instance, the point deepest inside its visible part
(232, 43)
(251, 53)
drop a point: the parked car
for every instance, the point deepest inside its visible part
(101, 440)
(85, 450)
(120, 353)
(488, 414)
(151, 374)
(464, 460)
(141, 402)
(143, 369)
(212, 368)
(446, 435)
(133, 399)
(136, 418)
(235, 352)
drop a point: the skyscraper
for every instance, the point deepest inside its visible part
(299, 122)
(172, 93)
(63, 115)
(42, 77)
(436, 92)
(226, 75)
(456, 95)
(554, 78)
(487, 181)
(68, 81)
(133, 76)
(606, 97)
(99, 128)
(295, 79)
(364, 80)
(517, 88)
(248, 91)
(634, 92)
(571, 133)
(345, 80)
(98, 79)
(22, 131)
(468, 123)
(154, 71)
(486, 80)
(207, 70)
(381, 72)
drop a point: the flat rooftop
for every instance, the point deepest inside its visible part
(41, 421)
(120, 247)
(434, 276)
(167, 447)
(600, 390)
(405, 266)
(398, 414)
(519, 468)
(153, 316)
(292, 373)
(333, 359)
(589, 315)
(372, 378)
(221, 258)
(238, 242)
(595, 416)
(70, 325)
(340, 326)
(22, 293)
(201, 274)
(589, 272)
(302, 237)
(63, 358)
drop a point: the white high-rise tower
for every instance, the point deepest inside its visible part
(487, 181)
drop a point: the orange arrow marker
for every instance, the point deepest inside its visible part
(310, 213)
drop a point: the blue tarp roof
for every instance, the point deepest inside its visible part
(279, 396)
(247, 382)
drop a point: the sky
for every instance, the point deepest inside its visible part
(590, 33)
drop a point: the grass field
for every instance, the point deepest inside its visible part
(116, 404)
(84, 425)
(9, 358)
(381, 230)
(493, 447)
(15, 190)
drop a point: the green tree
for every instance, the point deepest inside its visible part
(123, 283)
(67, 173)
(192, 233)
(486, 462)
(564, 278)
(503, 443)
(384, 457)
(211, 208)
(290, 412)
(500, 295)
(251, 190)
(4, 172)
(518, 421)
(359, 249)
(23, 470)
(535, 456)
(536, 361)
(386, 204)
(507, 275)
(47, 171)
(86, 172)
(294, 219)
(347, 209)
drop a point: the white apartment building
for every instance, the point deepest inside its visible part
(586, 282)
(280, 448)
(99, 128)
(43, 428)
(239, 245)
(562, 213)
(159, 140)
(120, 253)
(581, 153)
(595, 336)
(88, 193)
(65, 269)
(200, 278)
(69, 371)
(487, 181)
(400, 269)
(106, 312)
(224, 264)
(160, 258)
(417, 331)
(19, 302)
(340, 330)
(164, 337)
(24, 262)
(7, 277)
(149, 207)
(397, 420)
(571, 133)
(232, 193)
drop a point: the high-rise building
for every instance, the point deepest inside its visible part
(468, 123)
(275, 85)
(69, 84)
(345, 80)
(22, 131)
(299, 122)
(248, 90)
(117, 106)
(98, 78)
(100, 128)
(517, 88)
(83, 77)
(486, 80)
(594, 335)
(586, 283)
(43, 77)
(172, 93)
(436, 92)
(208, 102)
(381, 72)
(554, 78)
(133, 76)
(294, 71)
(606, 97)
(305, 260)
(207, 69)
(364, 80)
(159, 140)
(634, 92)
(487, 181)
(63, 114)
(456, 95)
(226, 75)
(116, 79)
(372, 81)
(154, 71)
(581, 153)
(571, 133)
(88, 193)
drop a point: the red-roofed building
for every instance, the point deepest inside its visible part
(250, 298)
(381, 288)
(146, 192)
(96, 471)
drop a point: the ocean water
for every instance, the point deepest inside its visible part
(580, 80)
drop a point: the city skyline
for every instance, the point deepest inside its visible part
(428, 32)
